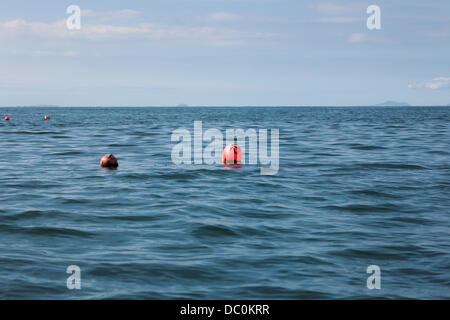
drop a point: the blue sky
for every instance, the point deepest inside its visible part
(224, 52)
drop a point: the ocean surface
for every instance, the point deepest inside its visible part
(356, 186)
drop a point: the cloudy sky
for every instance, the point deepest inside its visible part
(224, 52)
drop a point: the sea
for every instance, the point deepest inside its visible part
(358, 209)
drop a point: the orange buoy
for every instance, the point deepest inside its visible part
(109, 161)
(46, 117)
(232, 154)
(7, 118)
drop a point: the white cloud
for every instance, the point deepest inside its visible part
(438, 33)
(39, 53)
(327, 19)
(224, 17)
(328, 12)
(20, 28)
(228, 43)
(336, 9)
(435, 83)
(125, 14)
(338, 20)
(357, 37)
(70, 53)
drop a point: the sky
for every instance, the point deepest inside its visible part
(224, 53)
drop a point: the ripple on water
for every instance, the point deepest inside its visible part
(213, 231)
(356, 187)
(46, 231)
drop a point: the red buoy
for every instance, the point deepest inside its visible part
(47, 118)
(7, 118)
(232, 154)
(109, 161)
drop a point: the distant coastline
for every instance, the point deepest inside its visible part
(391, 103)
(384, 104)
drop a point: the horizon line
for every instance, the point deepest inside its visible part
(212, 106)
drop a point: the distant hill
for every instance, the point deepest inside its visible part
(183, 105)
(393, 104)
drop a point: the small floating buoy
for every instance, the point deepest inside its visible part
(7, 118)
(46, 117)
(109, 161)
(232, 154)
